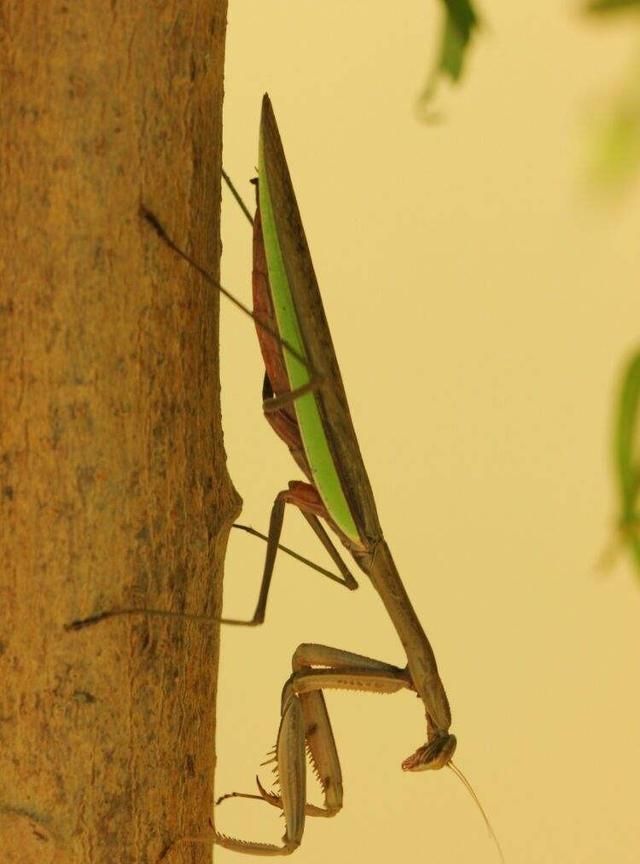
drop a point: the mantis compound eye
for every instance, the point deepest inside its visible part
(433, 755)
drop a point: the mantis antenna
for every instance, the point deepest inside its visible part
(471, 792)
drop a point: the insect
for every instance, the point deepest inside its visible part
(306, 405)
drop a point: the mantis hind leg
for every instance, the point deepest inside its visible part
(306, 499)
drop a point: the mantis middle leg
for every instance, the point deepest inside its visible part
(306, 499)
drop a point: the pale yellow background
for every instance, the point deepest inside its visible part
(481, 304)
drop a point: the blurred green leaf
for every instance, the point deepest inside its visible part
(451, 51)
(616, 157)
(462, 16)
(459, 23)
(597, 7)
(627, 456)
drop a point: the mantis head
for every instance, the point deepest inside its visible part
(437, 753)
(433, 755)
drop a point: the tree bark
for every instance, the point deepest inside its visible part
(113, 483)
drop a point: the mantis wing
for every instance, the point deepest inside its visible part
(323, 416)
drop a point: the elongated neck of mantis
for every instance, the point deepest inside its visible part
(420, 657)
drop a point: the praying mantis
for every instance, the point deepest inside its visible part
(306, 405)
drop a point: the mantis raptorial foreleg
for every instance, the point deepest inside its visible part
(305, 498)
(305, 724)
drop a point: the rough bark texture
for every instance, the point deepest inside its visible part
(113, 483)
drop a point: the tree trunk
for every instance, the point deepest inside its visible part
(114, 489)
